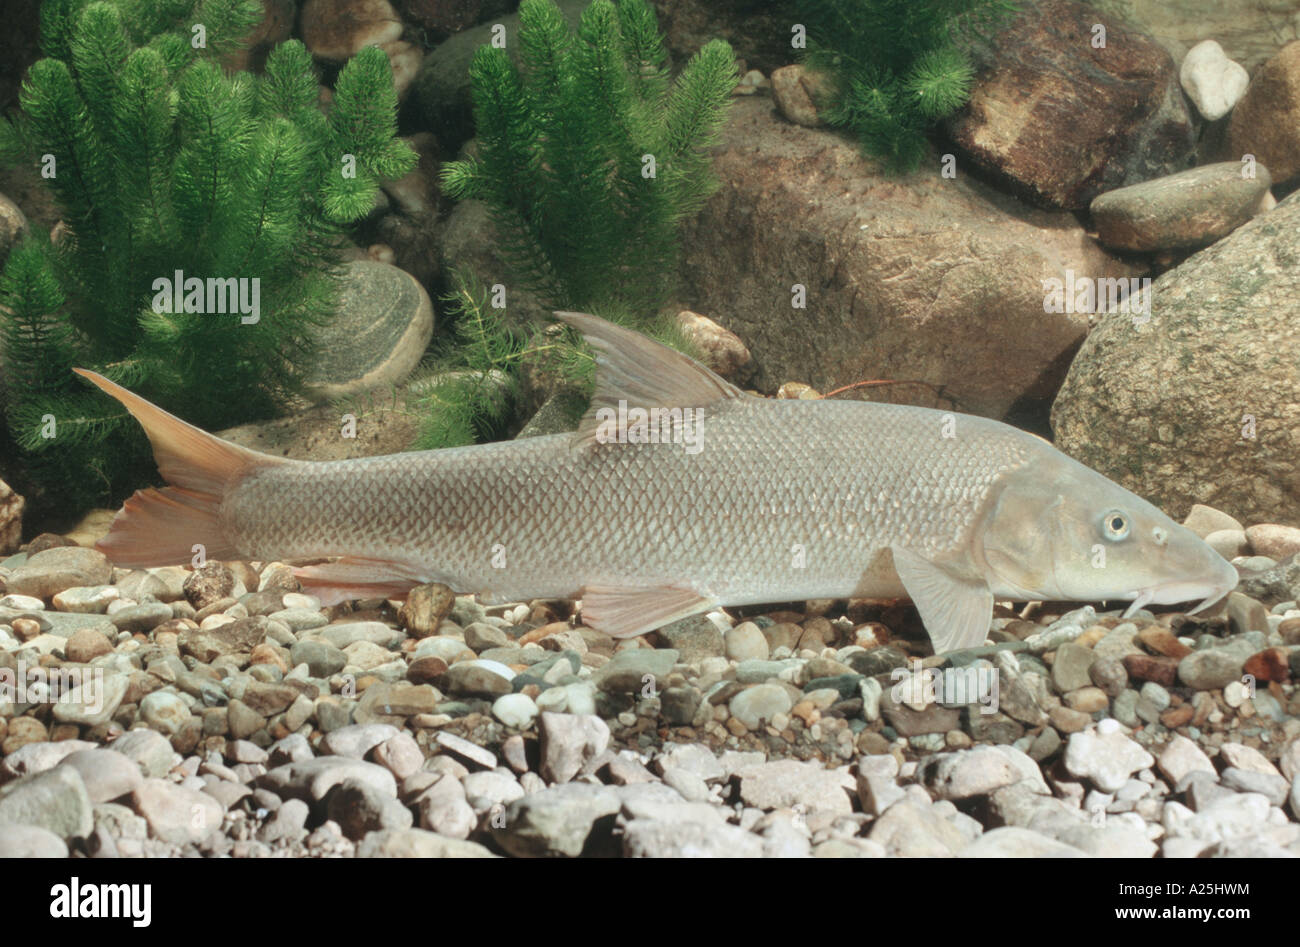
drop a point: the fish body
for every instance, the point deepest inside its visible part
(742, 500)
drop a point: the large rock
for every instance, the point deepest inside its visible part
(383, 325)
(1060, 121)
(1266, 122)
(1185, 210)
(1202, 402)
(925, 278)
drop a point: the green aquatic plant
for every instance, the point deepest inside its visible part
(894, 67)
(473, 390)
(202, 214)
(589, 157)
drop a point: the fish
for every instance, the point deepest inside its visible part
(680, 494)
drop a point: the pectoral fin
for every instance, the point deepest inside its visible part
(625, 612)
(956, 610)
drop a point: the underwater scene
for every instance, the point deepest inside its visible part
(649, 428)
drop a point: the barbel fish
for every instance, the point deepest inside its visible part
(718, 498)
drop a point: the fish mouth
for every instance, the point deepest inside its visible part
(1170, 593)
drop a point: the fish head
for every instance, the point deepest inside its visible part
(1058, 530)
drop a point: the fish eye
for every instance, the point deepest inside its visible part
(1115, 525)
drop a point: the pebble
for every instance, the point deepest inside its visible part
(1107, 759)
(1211, 80)
(745, 642)
(515, 710)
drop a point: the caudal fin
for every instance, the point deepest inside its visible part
(162, 527)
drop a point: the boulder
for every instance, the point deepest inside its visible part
(1059, 120)
(927, 278)
(1201, 402)
(379, 334)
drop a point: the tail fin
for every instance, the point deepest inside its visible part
(161, 527)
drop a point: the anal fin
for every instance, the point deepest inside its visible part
(956, 610)
(356, 577)
(626, 612)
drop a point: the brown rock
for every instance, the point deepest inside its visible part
(1163, 641)
(426, 670)
(1266, 122)
(1274, 541)
(425, 608)
(1269, 665)
(49, 572)
(1176, 717)
(1061, 121)
(85, 644)
(1180, 211)
(910, 723)
(1289, 629)
(720, 349)
(338, 29)
(1143, 667)
(796, 92)
(275, 27)
(240, 635)
(544, 631)
(268, 699)
(11, 514)
(209, 584)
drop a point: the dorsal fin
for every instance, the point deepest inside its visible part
(636, 369)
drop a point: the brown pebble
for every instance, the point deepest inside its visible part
(1067, 720)
(1289, 629)
(1176, 717)
(1091, 636)
(1089, 700)
(25, 628)
(86, 644)
(1163, 641)
(426, 669)
(1269, 665)
(545, 631)
(1145, 667)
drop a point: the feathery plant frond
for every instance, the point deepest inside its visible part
(161, 162)
(588, 157)
(895, 66)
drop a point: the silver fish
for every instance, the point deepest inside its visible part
(720, 498)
